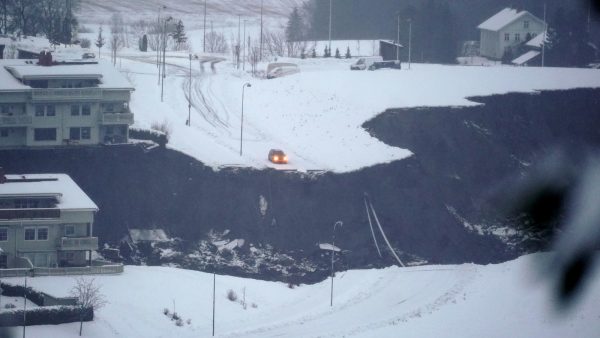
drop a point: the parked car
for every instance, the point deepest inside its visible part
(275, 70)
(88, 56)
(385, 64)
(365, 62)
(278, 156)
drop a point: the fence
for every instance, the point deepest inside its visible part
(72, 271)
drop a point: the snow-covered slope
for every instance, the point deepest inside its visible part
(505, 300)
(94, 11)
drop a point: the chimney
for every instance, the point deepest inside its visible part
(2, 176)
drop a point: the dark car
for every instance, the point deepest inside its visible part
(385, 64)
(278, 156)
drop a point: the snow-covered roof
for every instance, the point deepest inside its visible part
(68, 193)
(146, 235)
(393, 43)
(502, 19)
(11, 71)
(537, 42)
(525, 57)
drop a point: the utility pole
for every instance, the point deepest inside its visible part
(164, 66)
(214, 293)
(398, 41)
(409, 41)
(204, 39)
(239, 41)
(25, 307)
(189, 120)
(545, 38)
(589, 18)
(248, 85)
(261, 30)
(330, 22)
(340, 223)
(244, 54)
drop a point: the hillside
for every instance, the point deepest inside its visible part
(505, 300)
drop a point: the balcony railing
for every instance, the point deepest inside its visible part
(14, 121)
(84, 243)
(112, 118)
(12, 214)
(66, 94)
(88, 270)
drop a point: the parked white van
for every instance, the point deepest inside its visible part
(365, 62)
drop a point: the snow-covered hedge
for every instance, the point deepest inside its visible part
(49, 315)
(35, 297)
(151, 135)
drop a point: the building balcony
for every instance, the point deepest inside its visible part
(25, 214)
(15, 121)
(66, 94)
(116, 118)
(78, 244)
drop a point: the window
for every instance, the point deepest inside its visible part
(5, 109)
(525, 24)
(75, 110)
(30, 234)
(506, 37)
(39, 110)
(42, 234)
(517, 37)
(69, 230)
(86, 110)
(3, 234)
(75, 134)
(86, 133)
(3, 261)
(50, 110)
(110, 107)
(44, 134)
(4, 132)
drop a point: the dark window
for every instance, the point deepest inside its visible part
(42, 234)
(30, 234)
(4, 132)
(50, 110)
(506, 37)
(86, 133)
(75, 110)
(517, 37)
(110, 107)
(44, 134)
(69, 230)
(526, 24)
(75, 134)
(86, 110)
(39, 110)
(3, 234)
(5, 109)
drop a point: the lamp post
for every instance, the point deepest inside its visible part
(340, 223)
(409, 41)
(248, 85)
(398, 41)
(330, 22)
(164, 67)
(189, 120)
(160, 8)
(204, 38)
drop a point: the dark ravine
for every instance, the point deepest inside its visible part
(461, 153)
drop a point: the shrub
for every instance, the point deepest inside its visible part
(46, 316)
(232, 296)
(179, 322)
(84, 29)
(85, 43)
(150, 135)
(9, 306)
(189, 322)
(166, 311)
(18, 291)
(175, 316)
(254, 306)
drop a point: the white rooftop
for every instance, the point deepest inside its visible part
(70, 196)
(525, 57)
(537, 42)
(502, 19)
(148, 235)
(13, 70)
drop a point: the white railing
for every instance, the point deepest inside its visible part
(88, 270)
(111, 118)
(16, 120)
(66, 94)
(83, 243)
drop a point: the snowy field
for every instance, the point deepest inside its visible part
(315, 116)
(505, 300)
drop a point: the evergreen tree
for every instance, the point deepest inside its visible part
(295, 26)
(179, 35)
(508, 56)
(314, 53)
(348, 55)
(144, 43)
(325, 53)
(337, 53)
(100, 41)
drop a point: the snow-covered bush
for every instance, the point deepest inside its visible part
(85, 43)
(231, 295)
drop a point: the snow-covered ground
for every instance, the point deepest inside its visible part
(505, 300)
(316, 116)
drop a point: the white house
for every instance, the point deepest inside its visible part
(507, 29)
(56, 103)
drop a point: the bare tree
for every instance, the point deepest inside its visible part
(216, 43)
(115, 43)
(275, 42)
(88, 297)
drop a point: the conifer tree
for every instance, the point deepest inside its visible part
(179, 35)
(348, 55)
(100, 41)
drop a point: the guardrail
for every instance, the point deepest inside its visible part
(16, 120)
(80, 243)
(111, 118)
(71, 271)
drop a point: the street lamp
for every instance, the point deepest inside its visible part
(248, 85)
(340, 223)
(409, 41)
(164, 67)
(330, 22)
(160, 8)
(189, 120)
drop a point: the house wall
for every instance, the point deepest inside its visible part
(13, 136)
(45, 252)
(493, 44)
